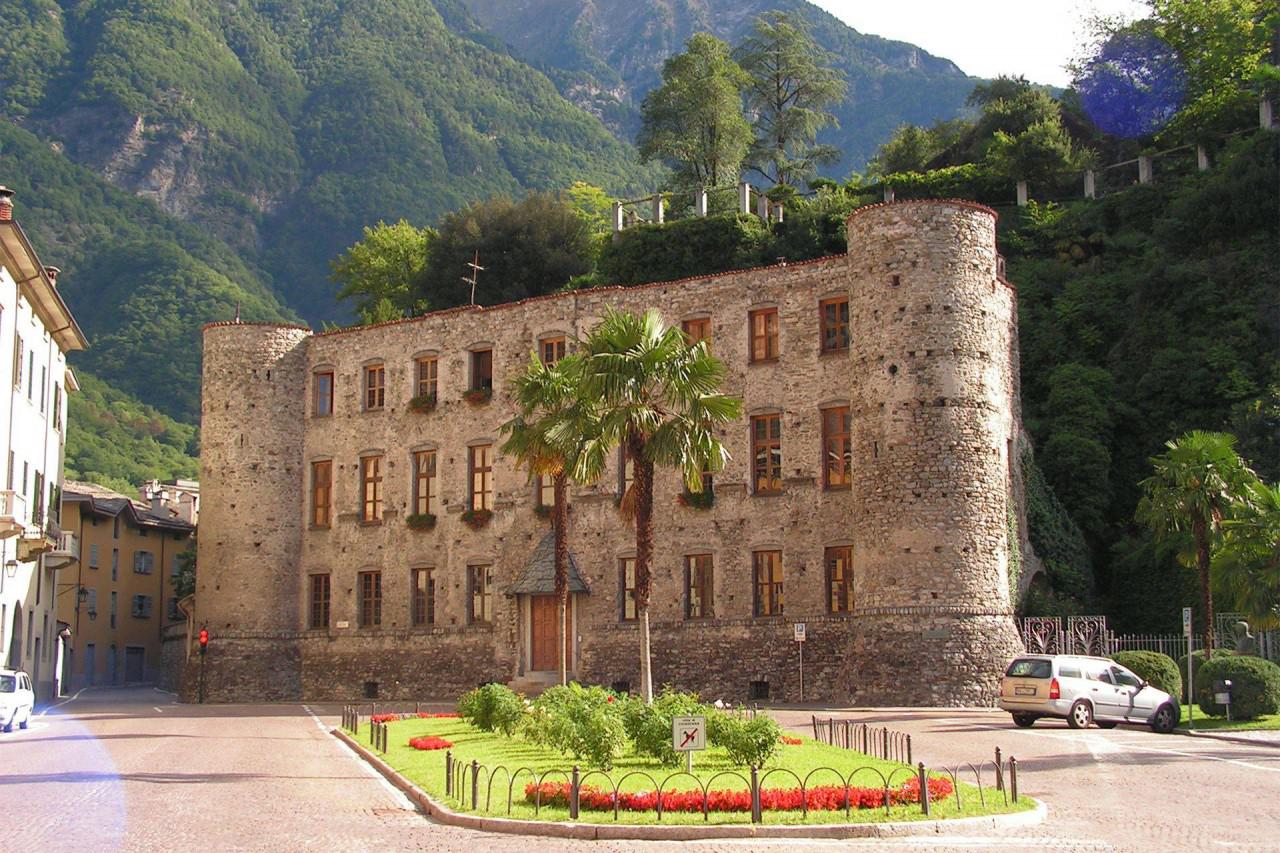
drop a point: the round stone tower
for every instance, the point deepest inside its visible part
(248, 589)
(934, 409)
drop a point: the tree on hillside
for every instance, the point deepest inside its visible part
(694, 121)
(912, 148)
(537, 439)
(658, 398)
(792, 85)
(1198, 483)
(527, 248)
(377, 273)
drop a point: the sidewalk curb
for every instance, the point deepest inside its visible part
(1247, 741)
(683, 832)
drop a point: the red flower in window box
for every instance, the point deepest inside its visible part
(477, 396)
(477, 518)
(420, 520)
(422, 403)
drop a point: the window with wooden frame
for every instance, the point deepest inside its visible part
(627, 588)
(833, 323)
(626, 472)
(766, 453)
(321, 492)
(322, 393)
(544, 489)
(839, 562)
(767, 570)
(551, 350)
(319, 601)
(480, 594)
(375, 387)
(480, 476)
(763, 324)
(424, 482)
(426, 374)
(697, 329)
(698, 587)
(371, 489)
(424, 597)
(370, 584)
(482, 370)
(837, 447)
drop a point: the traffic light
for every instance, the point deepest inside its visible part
(204, 640)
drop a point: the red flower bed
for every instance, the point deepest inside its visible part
(820, 798)
(429, 742)
(423, 715)
(791, 741)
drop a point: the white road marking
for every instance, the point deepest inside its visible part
(1121, 745)
(71, 698)
(157, 709)
(396, 794)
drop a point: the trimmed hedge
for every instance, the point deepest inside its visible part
(1255, 686)
(1197, 661)
(1157, 668)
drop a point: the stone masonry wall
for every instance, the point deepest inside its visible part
(926, 515)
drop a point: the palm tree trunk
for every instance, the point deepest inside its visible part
(643, 485)
(1201, 533)
(560, 528)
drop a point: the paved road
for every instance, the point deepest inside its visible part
(130, 770)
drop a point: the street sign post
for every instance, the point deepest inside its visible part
(688, 735)
(1191, 687)
(799, 628)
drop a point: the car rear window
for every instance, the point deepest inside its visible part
(1030, 668)
(8, 684)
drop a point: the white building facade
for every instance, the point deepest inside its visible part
(37, 332)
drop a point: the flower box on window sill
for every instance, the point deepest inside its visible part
(704, 499)
(476, 396)
(477, 518)
(543, 510)
(423, 403)
(420, 520)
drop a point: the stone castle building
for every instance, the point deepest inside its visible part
(868, 495)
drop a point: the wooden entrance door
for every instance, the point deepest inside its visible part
(543, 633)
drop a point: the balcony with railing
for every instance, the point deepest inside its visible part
(65, 552)
(13, 513)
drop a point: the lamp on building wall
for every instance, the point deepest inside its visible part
(11, 568)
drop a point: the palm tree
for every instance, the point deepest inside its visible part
(545, 395)
(650, 392)
(1198, 482)
(1247, 566)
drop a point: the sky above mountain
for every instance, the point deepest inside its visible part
(986, 38)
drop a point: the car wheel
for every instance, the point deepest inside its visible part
(8, 727)
(1081, 715)
(25, 721)
(1105, 724)
(1164, 720)
(1024, 721)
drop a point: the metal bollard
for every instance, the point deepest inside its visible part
(756, 816)
(999, 770)
(924, 788)
(573, 794)
(475, 782)
(886, 744)
(909, 749)
(448, 773)
(1013, 778)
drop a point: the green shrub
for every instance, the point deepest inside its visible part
(1157, 668)
(1255, 686)
(1197, 661)
(649, 726)
(749, 742)
(493, 708)
(585, 722)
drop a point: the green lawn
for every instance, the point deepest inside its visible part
(426, 769)
(1203, 723)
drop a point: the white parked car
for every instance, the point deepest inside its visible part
(17, 699)
(1083, 690)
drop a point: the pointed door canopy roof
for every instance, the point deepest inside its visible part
(539, 575)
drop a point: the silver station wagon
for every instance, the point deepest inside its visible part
(1083, 690)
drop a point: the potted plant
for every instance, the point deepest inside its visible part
(422, 403)
(476, 518)
(420, 520)
(478, 395)
(696, 500)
